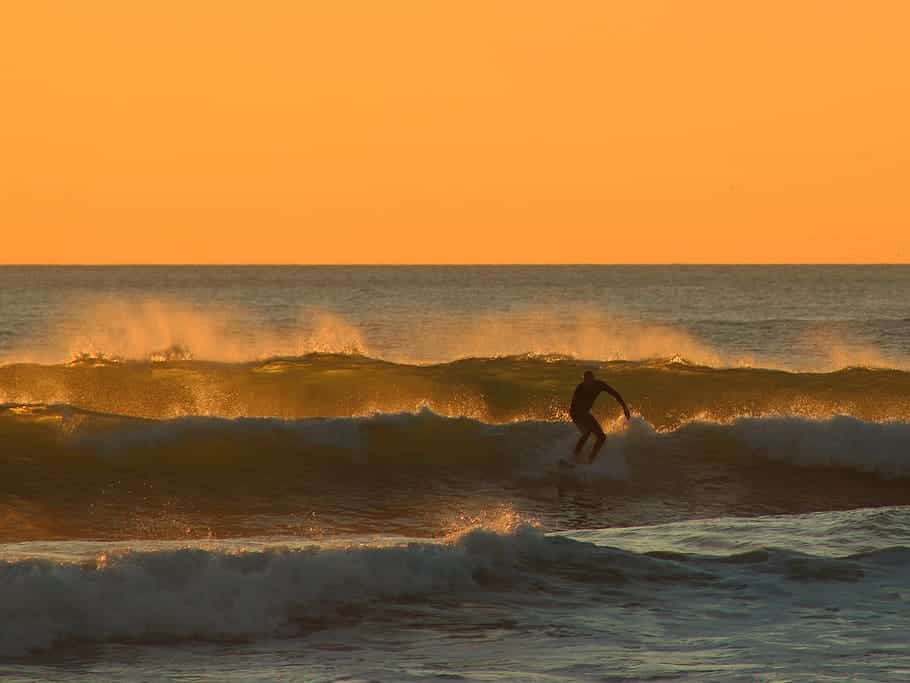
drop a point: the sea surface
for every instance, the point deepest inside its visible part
(351, 474)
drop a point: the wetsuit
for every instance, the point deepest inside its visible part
(582, 402)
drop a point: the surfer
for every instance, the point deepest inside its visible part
(580, 412)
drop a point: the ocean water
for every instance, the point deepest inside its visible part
(350, 473)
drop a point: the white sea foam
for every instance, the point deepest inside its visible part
(880, 447)
(172, 595)
(195, 593)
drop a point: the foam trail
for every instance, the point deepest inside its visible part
(611, 459)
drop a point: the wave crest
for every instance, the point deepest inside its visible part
(216, 595)
(503, 389)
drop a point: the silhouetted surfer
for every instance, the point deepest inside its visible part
(580, 412)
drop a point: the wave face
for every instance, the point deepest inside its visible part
(666, 393)
(70, 473)
(217, 595)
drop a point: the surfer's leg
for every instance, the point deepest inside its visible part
(581, 442)
(599, 442)
(587, 424)
(584, 427)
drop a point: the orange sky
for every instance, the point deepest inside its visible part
(469, 131)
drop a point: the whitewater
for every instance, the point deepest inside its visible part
(302, 473)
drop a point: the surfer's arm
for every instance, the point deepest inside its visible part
(615, 394)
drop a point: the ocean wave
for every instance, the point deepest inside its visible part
(859, 532)
(198, 594)
(406, 438)
(91, 329)
(69, 473)
(39, 438)
(34, 433)
(667, 392)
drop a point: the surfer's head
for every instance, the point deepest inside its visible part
(588, 376)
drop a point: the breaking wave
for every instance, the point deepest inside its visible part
(67, 473)
(211, 595)
(149, 329)
(667, 393)
(39, 434)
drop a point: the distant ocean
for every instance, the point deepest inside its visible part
(350, 473)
